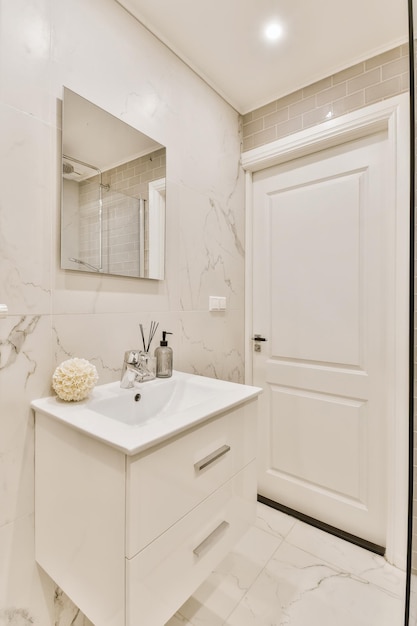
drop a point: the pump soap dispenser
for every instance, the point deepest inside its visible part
(164, 357)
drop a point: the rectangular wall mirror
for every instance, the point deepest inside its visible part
(113, 194)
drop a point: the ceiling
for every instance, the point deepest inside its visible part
(223, 42)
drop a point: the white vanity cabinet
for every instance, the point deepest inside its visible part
(130, 537)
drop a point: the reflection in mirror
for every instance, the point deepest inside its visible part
(113, 194)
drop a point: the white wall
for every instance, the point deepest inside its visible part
(98, 50)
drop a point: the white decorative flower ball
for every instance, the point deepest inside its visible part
(74, 379)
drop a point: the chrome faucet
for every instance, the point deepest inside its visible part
(137, 367)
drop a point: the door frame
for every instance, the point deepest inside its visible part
(392, 116)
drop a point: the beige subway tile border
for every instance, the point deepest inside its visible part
(248, 143)
(400, 66)
(289, 99)
(383, 90)
(405, 82)
(314, 88)
(278, 117)
(350, 72)
(247, 118)
(302, 106)
(320, 114)
(349, 103)
(262, 111)
(289, 127)
(383, 76)
(253, 127)
(329, 95)
(265, 136)
(384, 57)
(365, 80)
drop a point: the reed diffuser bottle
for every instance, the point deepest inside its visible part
(164, 358)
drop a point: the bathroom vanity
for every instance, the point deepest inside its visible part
(138, 499)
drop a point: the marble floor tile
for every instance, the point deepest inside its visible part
(347, 557)
(217, 597)
(297, 588)
(178, 620)
(272, 521)
(286, 573)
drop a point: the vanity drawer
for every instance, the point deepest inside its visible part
(165, 483)
(160, 578)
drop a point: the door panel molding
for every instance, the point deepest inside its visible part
(391, 117)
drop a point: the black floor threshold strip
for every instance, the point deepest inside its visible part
(332, 530)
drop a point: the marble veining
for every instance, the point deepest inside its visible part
(15, 617)
(229, 219)
(65, 613)
(212, 353)
(285, 573)
(215, 259)
(62, 353)
(14, 342)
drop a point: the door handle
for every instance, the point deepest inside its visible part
(259, 338)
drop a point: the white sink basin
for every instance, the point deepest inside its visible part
(165, 407)
(158, 398)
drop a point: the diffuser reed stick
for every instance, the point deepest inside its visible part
(154, 326)
(152, 331)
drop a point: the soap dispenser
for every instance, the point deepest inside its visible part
(164, 357)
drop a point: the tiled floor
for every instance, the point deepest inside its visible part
(286, 573)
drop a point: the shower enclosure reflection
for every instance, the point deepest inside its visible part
(113, 195)
(110, 231)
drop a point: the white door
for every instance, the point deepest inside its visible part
(323, 237)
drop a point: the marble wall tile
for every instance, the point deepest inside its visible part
(27, 595)
(210, 344)
(25, 363)
(22, 582)
(100, 40)
(25, 47)
(212, 252)
(97, 49)
(65, 613)
(103, 339)
(26, 173)
(202, 343)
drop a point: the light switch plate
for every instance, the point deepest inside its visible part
(217, 303)
(222, 303)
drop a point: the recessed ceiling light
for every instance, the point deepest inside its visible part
(273, 31)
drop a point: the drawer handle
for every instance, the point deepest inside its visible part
(200, 465)
(202, 547)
